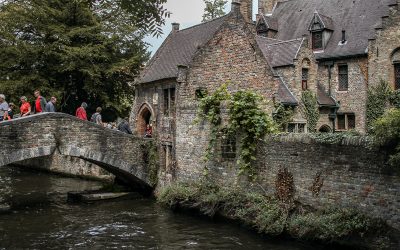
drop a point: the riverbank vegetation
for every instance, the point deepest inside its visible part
(269, 215)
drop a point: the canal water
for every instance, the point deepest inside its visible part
(41, 218)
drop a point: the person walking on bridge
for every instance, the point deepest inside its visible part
(25, 108)
(3, 108)
(40, 103)
(50, 106)
(96, 117)
(124, 126)
(81, 111)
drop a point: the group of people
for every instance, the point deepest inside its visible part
(9, 111)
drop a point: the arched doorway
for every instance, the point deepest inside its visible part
(325, 129)
(144, 117)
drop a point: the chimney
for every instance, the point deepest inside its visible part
(267, 6)
(343, 36)
(245, 7)
(175, 27)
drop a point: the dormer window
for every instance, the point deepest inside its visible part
(267, 26)
(317, 40)
(321, 28)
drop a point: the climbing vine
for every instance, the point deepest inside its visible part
(245, 118)
(311, 109)
(377, 102)
(283, 115)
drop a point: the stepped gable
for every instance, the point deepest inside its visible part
(179, 48)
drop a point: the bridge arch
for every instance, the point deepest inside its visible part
(44, 134)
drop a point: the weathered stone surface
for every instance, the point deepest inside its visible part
(347, 174)
(67, 165)
(44, 134)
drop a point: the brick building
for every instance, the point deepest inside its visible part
(334, 48)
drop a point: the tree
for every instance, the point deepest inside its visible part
(67, 48)
(213, 9)
(386, 131)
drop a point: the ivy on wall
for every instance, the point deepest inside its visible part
(377, 102)
(245, 118)
(311, 109)
(282, 116)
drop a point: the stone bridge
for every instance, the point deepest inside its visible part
(40, 135)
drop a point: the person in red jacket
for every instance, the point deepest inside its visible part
(81, 112)
(40, 102)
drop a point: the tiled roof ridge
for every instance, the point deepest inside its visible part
(203, 23)
(287, 41)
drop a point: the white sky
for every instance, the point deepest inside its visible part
(187, 13)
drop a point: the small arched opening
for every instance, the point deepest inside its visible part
(395, 59)
(144, 118)
(325, 129)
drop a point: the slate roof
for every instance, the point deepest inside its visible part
(279, 53)
(357, 17)
(323, 98)
(285, 96)
(179, 48)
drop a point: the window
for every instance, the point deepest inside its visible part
(397, 75)
(296, 128)
(169, 101)
(304, 79)
(346, 121)
(228, 146)
(343, 77)
(317, 43)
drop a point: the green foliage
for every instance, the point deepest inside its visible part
(246, 118)
(377, 102)
(69, 50)
(330, 224)
(333, 138)
(151, 159)
(210, 110)
(213, 9)
(395, 99)
(387, 134)
(311, 109)
(265, 214)
(282, 116)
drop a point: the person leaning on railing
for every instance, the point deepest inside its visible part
(25, 108)
(3, 108)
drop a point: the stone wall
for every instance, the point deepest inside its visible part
(347, 174)
(44, 134)
(67, 165)
(382, 49)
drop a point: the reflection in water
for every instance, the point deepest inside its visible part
(41, 219)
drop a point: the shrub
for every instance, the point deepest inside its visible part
(331, 224)
(387, 134)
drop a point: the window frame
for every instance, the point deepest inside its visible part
(314, 41)
(346, 121)
(304, 80)
(396, 68)
(296, 127)
(169, 98)
(228, 146)
(340, 77)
